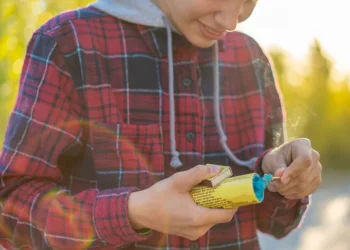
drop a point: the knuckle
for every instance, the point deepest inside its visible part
(202, 168)
(197, 233)
(201, 232)
(302, 141)
(316, 155)
(318, 173)
(228, 218)
(205, 168)
(192, 237)
(307, 160)
(306, 141)
(292, 174)
(234, 211)
(231, 213)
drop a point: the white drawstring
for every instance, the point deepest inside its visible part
(175, 160)
(249, 163)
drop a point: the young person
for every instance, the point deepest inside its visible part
(120, 106)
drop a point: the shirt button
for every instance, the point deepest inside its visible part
(194, 246)
(190, 136)
(187, 82)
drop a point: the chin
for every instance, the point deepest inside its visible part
(201, 42)
(194, 36)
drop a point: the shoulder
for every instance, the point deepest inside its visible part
(76, 29)
(65, 19)
(245, 47)
(244, 52)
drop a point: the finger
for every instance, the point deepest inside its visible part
(190, 178)
(300, 179)
(272, 188)
(282, 188)
(305, 190)
(298, 184)
(301, 147)
(314, 185)
(297, 167)
(195, 233)
(279, 173)
(292, 191)
(215, 216)
(303, 177)
(315, 156)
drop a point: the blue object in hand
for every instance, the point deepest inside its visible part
(260, 184)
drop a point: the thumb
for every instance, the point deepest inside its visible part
(196, 175)
(280, 173)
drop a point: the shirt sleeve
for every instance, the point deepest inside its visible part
(276, 215)
(36, 210)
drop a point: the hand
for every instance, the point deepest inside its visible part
(168, 207)
(298, 166)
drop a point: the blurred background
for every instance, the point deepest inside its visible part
(310, 52)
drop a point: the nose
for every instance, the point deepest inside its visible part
(228, 18)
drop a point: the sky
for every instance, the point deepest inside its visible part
(294, 24)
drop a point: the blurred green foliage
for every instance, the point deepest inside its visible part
(316, 103)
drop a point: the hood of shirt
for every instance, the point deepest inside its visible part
(144, 12)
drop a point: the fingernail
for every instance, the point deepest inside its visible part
(215, 169)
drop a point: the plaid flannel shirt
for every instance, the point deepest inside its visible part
(91, 125)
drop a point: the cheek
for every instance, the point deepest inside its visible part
(191, 10)
(181, 17)
(190, 30)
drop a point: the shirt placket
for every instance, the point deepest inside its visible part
(188, 108)
(189, 117)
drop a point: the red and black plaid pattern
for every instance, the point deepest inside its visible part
(91, 125)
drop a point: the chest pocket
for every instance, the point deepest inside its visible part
(127, 154)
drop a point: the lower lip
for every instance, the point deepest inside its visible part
(209, 34)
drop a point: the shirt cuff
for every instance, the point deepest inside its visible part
(111, 218)
(258, 164)
(279, 201)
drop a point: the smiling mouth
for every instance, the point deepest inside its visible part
(210, 32)
(213, 30)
